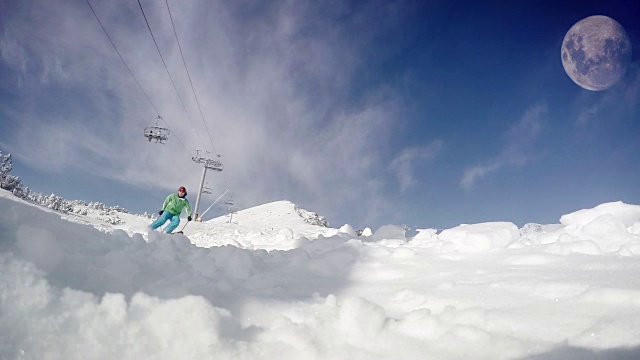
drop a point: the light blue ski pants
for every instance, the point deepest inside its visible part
(167, 216)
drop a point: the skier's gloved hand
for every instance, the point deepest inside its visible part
(160, 212)
(188, 218)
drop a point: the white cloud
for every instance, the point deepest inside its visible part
(274, 92)
(477, 172)
(517, 150)
(596, 110)
(405, 163)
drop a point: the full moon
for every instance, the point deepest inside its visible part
(596, 52)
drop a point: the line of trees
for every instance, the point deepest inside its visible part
(54, 202)
(14, 184)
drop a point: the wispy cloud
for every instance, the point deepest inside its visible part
(471, 175)
(405, 163)
(274, 81)
(617, 102)
(517, 150)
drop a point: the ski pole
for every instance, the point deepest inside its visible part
(185, 225)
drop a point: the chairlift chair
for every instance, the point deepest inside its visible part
(157, 133)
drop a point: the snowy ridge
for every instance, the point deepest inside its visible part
(282, 212)
(278, 225)
(311, 217)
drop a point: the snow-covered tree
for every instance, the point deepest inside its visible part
(151, 216)
(56, 203)
(7, 181)
(18, 191)
(5, 164)
(113, 220)
(311, 217)
(10, 182)
(13, 183)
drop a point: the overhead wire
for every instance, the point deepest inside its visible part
(174, 86)
(192, 87)
(189, 76)
(131, 72)
(167, 69)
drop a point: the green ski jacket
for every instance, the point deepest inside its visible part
(174, 204)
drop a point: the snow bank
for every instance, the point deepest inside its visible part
(481, 237)
(389, 232)
(425, 235)
(68, 291)
(39, 321)
(610, 227)
(625, 213)
(349, 230)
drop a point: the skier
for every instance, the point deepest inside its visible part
(171, 210)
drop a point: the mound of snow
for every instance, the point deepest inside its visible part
(530, 229)
(390, 232)
(283, 213)
(607, 231)
(627, 214)
(349, 230)
(425, 235)
(277, 225)
(608, 227)
(481, 237)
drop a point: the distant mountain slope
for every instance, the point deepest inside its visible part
(284, 213)
(275, 225)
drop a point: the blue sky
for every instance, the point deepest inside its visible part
(425, 113)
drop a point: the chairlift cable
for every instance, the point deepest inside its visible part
(121, 58)
(192, 87)
(131, 72)
(189, 76)
(167, 69)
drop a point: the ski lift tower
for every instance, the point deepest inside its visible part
(208, 164)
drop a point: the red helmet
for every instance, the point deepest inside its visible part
(182, 188)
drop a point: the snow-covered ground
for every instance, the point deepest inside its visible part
(269, 285)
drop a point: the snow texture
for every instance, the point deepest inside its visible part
(269, 285)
